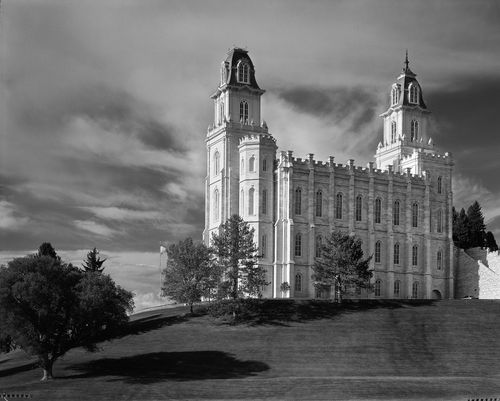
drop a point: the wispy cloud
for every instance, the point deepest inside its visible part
(9, 219)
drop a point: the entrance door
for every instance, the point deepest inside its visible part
(436, 295)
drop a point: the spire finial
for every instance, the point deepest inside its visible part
(406, 61)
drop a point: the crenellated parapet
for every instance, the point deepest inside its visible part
(231, 125)
(258, 139)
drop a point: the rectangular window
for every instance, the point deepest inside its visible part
(415, 215)
(396, 288)
(263, 245)
(264, 202)
(395, 214)
(377, 252)
(415, 255)
(338, 207)
(359, 202)
(378, 210)
(298, 245)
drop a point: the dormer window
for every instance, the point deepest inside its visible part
(394, 95)
(414, 131)
(243, 72)
(413, 94)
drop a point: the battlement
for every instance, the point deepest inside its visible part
(238, 125)
(446, 157)
(349, 168)
(252, 139)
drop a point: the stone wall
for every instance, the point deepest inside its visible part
(477, 274)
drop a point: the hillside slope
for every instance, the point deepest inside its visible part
(379, 350)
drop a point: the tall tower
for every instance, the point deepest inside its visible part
(240, 152)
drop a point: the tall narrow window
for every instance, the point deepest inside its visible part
(397, 285)
(243, 72)
(395, 213)
(318, 245)
(298, 282)
(414, 130)
(264, 201)
(440, 185)
(298, 244)
(216, 162)
(393, 132)
(319, 203)
(414, 255)
(216, 205)
(338, 206)
(396, 253)
(242, 203)
(394, 96)
(377, 251)
(251, 196)
(378, 210)
(413, 94)
(414, 290)
(242, 166)
(244, 112)
(359, 203)
(221, 113)
(251, 164)
(378, 284)
(298, 201)
(263, 246)
(439, 228)
(264, 165)
(439, 260)
(414, 215)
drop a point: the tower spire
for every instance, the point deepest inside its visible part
(407, 63)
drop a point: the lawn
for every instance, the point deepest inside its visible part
(443, 350)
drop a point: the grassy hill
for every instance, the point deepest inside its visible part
(443, 350)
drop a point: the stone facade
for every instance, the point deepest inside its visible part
(399, 205)
(477, 273)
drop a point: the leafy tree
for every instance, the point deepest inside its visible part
(46, 249)
(341, 264)
(93, 262)
(48, 307)
(237, 257)
(461, 230)
(489, 242)
(6, 344)
(190, 272)
(476, 225)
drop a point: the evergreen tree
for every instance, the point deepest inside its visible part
(461, 231)
(46, 249)
(476, 225)
(490, 242)
(341, 264)
(93, 262)
(190, 273)
(237, 258)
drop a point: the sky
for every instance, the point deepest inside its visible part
(105, 105)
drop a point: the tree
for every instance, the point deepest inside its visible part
(46, 249)
(93, 262)
(489, 242)
(190, 273)
(476, 225)
(461, 230)
(237, 258)
(48, 307)
(341, 264)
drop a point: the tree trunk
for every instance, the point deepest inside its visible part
(191, 307)
(46, 364)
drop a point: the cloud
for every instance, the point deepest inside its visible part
(95, 228)
(9, 219)
(116, 213)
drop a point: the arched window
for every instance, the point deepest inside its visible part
(298, 282)
(439, 221)
(264, 201)
(414, 255)
(378, 210)
(395, 213)
(414, 130)
(242, 203)
(216, 205)
(397, 285)
(393, 131)
(251, 195)
(263, 246)
(319, 203)
(298, 244)
(377, 251)
(244, 112)
(243, 72)
(439, 260)
(413, 93)
(440, 184)
(378, 284)
(221, 113)
(414, 290)
(359, 203)
(414, 215)
(318, 245)
(338, 206)
(216, 162)
(394, 95)
(264, 165)
(251, 164)
(242, 166)
(298, 201)
(396, 253)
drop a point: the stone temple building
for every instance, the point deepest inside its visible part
(399, 205)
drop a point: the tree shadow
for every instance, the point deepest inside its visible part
(18, 369)
(177, 366)
(153, 322)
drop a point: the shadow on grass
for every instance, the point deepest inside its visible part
(18, 369)
(178, 366)
(282, 312)
(154, 322)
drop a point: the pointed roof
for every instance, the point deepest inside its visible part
(234, 56)
(404, 80)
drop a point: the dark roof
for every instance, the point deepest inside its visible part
(404, 80)
(233, 58)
